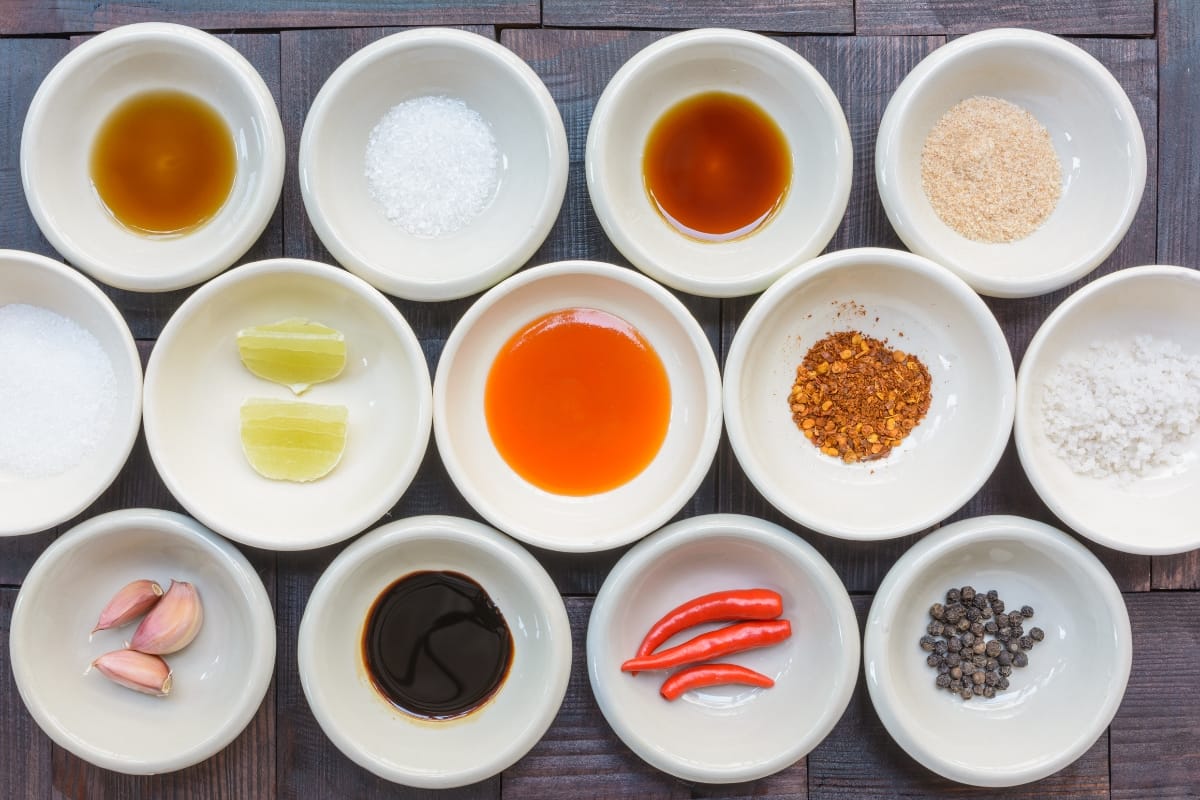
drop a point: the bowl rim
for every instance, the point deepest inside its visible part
(487, 543)
(130, 419)
(264, 191)
(718, 526)
(933, 547)
(895, 117)
(1023, 427)
(259, 614)
(514, 69)
(405, 469)
(662, 269)
(766, 305)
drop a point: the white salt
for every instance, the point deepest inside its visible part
(58, 392)
(1124, 408)
(432, 165)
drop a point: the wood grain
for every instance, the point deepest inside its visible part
(25, 761)
(782, 16)
(1094, 17)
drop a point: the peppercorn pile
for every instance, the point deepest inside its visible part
(856, 399)
(968, 662)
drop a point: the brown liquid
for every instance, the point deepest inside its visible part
(435, 645)
(716, 166)
(163, 162)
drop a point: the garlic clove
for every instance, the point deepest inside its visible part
(132, 601)
(172, 623)
(138, 671)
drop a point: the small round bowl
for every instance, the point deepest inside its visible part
(1056, 707)
(1151, 515)
(33, 504)
(68, 110)
(593, 522)
(196, 384)
(1091, 123)
(218, 681)
(725, 734)
(788, 89)
(529, 132)
(920, 308)
(376, 734)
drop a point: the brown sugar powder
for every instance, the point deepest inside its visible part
(990, 171)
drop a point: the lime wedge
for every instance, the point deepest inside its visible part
(294, 352)
(291, 441)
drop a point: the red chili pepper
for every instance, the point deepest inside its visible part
(702, 675)
(737, 604)
(721, 642)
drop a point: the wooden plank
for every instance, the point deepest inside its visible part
(1180, 571)
(77, 16)
(1156, 733)
(24, 749)
(1093, 17)
(782, 16)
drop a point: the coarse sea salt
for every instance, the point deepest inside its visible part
(1123, 409)
(58, 392)
(432, 165)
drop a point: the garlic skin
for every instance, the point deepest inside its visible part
(130, 602)
(138, 671)
(173, 622)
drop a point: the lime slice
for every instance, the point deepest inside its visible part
(294, 352)
(291, 441)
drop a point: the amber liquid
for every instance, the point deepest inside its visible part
(717, 166)
(163, 162)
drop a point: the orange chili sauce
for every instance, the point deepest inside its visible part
(577, 402)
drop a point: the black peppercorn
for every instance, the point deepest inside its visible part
(998, 606)
(1003, 684)
(973, 614)
(954, 645)
(952, 614)
(1027, 611)
(967, 593)
(977, 628)
(942, 667)
(991, 678)
(1004, 634)
(985, 613)
(979, 648)
(1005, 670)
(980, 601)
(979, 661)
(1014, 647)
(992, 595)
(953, 659)
(1026, 642)
(1015, 618)
(1020, 660)
(1037, 634)
(956, 673)
(927, 643)
(967, 638)
(952, 596)
(991, 665)
(989, 691)
(937, 611)
(977, 690)
(943, 681)
(991, 627)
(932, 660)
(935, 628)
(940, 647)
(955, 686)
(993, 648)
(1004, 659)
(964, 624)
(966, 693)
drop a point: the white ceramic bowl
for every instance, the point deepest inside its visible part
(196, 384)
(218, 681)
(919, 307)
(68, 110)
(725, 734)
(529, 132)
(1150, 515)
(788, 89)
(33, 504)
(1056, 707)
(598, 521)
(387, 741)
(1092, 125)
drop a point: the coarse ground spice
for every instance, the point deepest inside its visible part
(990, 171)
(855, 398)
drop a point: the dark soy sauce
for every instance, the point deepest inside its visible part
(435, 645)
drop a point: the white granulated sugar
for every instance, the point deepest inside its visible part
(432, 164)
(58, 392)
(1123, 408)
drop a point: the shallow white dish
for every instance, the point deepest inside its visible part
(1151, 515)
(34, 504)
(78, 95)
(196, 384)
(725, 734)
(1056, 707)
(1091, 123)
(382, 738)
(218, 681)
(788, 89)
(919, 307)
(598, 521)
(528, 130)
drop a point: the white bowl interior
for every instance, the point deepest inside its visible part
(946, 457)
(1148, 515)
(528, 133)
(196, 384)
(599, 521)
(725, 733)
(789, 90)
(33, 504)
(391, 743)
(218, 680)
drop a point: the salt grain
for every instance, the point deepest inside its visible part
(58, 392)
(432, 165)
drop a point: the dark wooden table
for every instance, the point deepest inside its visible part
(863, 48)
